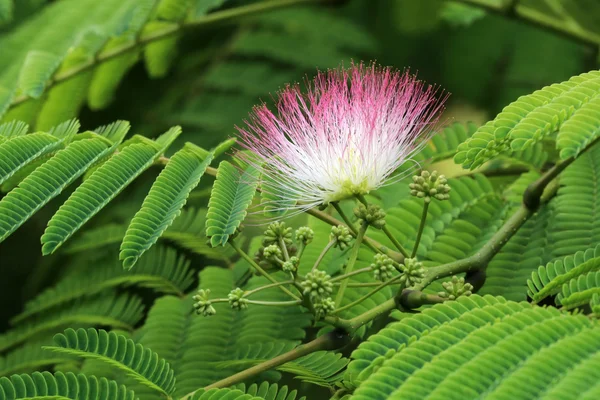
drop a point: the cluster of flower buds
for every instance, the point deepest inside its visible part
(455, 288)
(275, 232)
(324, 307)
(428, 185)
(291, 265)
(372, 215)
(270, 255)
(383, 267)
(341, 236)
(202, 304)
(304, 235)
(317, 286)
(412, 272)
(237, 300)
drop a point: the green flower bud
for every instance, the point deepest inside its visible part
(275, 231)
(372, 215)
(291, 265)
(430, 185)
(304, 235)
(341, 235)
(237, 300)
(202, 304)
(272, 252)
(412, 272)
(317, 285)
(383, 267)
(455, 288)
(324, 307)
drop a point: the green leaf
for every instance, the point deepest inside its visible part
(134, 360)
(447, 350)
(549, 279)
(101, 187)
(59, 386)
(172, 10)
(19, 151)
(231, 196)
(163, 204)
(38, 68)
(48, 181)
(106, 309)
(161, 269)
(9, 130)
(531, 118)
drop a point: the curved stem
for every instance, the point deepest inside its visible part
(373, 244)
(366, 296)
(351, 262)
(330, 341)
(275, 303)
(515, 10)
(395, 241)
(320, 258)
(168, 31)
(421, 227)
(349, 223)
(349, 274)
(261, 271)
(272, 285)
(284, 250)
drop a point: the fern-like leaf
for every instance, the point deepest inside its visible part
(548, 280)
(49, 180)
(105, 309)
(232, 194)
(160, 269)
(59, 386)
(37, 70)
(453, 360)
(19, 151)
(531, 118)
(142, 364)
(163, 204)
(101, 187)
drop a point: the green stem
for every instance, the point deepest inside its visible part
(366, 317)
(260, 270)
(532, 16)
(362, 199)
(283, 247)
(351, 261)
(373, 244)
(349, 274)
(395, 241)
(411, 299)
(349, 223)
(366, 296)
(421, 227)
(320, 258)
(272, 285)
(168, 31)
(330, 341)
(275, 303)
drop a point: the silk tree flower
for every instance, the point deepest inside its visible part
(347, 135)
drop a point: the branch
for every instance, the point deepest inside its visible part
(329, 341)
(145, 39)
(568, 28)
(537, 193)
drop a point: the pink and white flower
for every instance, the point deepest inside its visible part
(347, 135)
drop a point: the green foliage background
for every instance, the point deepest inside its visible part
(205, 77)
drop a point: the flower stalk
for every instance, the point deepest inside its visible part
(351, 261)
(260, 270)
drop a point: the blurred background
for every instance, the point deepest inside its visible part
(207, 77)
